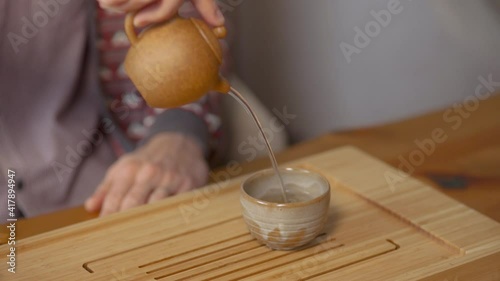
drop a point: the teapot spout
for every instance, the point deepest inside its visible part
(223, 86)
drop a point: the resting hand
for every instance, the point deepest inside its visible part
(168, 164)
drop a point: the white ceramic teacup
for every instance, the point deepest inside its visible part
(285, 226)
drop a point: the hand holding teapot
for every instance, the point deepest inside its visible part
(175, 62)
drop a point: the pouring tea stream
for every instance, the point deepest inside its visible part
(177, 62)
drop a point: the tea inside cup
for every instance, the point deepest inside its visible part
(285, 225)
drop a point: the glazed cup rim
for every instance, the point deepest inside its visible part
(261, 202)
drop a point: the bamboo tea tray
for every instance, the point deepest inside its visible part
(376, 231)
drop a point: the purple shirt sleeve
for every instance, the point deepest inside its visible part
(49, 108)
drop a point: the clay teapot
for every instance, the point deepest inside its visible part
(175, 62)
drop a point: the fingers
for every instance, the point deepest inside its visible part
(158, 11)
(187, 185)
(168, 186)
(125, 5)
(112, 4)
(147, 179)
(154, 11)
(209, 11)
(159, 194)
(140, 177)
(94, 202)
(122, 181)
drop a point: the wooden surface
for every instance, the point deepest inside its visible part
(410, 228)
(466, 166)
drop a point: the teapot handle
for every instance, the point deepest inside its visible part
(130, 28)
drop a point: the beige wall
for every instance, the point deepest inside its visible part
(428, 56)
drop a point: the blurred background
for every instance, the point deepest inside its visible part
(428, 55)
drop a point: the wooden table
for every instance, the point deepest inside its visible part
(466, 166)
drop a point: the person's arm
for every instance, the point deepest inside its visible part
(167, 164)
(191, 120)
(172, 158)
